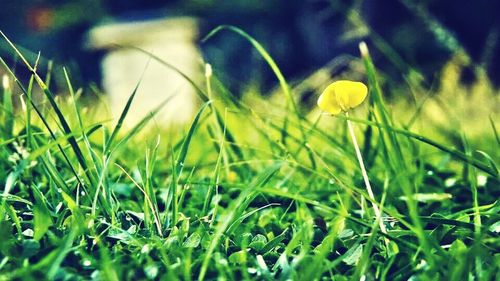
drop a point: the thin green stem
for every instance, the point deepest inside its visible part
(378, 215)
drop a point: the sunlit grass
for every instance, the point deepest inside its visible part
(254, 188)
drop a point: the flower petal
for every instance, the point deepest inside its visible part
(328, 102)
(349, 93)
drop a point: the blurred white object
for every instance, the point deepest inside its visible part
(170, 39)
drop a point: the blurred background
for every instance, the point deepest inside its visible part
(409, 40)
(301, 35)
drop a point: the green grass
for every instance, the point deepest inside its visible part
(254, 188)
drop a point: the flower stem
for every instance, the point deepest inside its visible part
(378, 215)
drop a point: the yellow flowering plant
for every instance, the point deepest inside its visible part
(340, 96)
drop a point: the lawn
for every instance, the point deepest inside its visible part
(255, 187)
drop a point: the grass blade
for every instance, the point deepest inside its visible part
(119, 124)
(276, 70)
(180, 162)
(57, 110)
(231, 213)
(393, 149)
(8, 108)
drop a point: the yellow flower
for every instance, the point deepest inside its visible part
(342, 95)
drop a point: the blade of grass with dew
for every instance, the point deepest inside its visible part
(201, 94)
(38, 153)
(311, 128)
(458, 223)
(418, 111)
(53, 260)
(221, 125)
(181, 159)
(139, 126)
(265, 55)
(228, 98)
(494, 128)
(42, 219)
(80, 123)
(276, 70)
(380, 112)
(490, 159)
(8, 108)
(121, 119)
(50, 96)
(364, 261)
(99, 170)
(241, 108)
(54, 174)
(452, 151)
(222, 156)
(151, 159)
(133, 131)
(48, 75)
(148, 204)
(369, 153)
(400, 218)
(336, 146)
(16, 221)
(214, 182)
(67, 130)
(10, 182)
(265, 132)
(233, 212)
(29, 94)
(171, 202)
(44, 121)
(303, 199)
(471, 177)
(318, 265)
(237, 222)
(40, 150)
